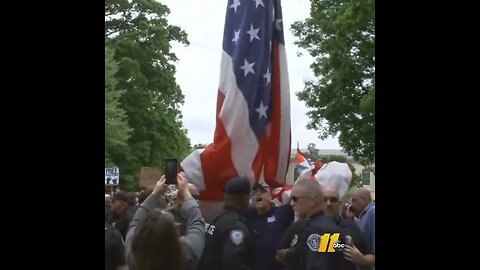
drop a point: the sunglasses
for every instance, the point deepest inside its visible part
(331, 199)
(295, 198)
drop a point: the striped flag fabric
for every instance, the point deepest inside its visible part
(253, 133)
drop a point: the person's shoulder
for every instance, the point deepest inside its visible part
(112, 234)
(226, 215)
(347, 222)
(235, 224)
(250, 212)
(298, 225)
(322, 222)
(371, 210)
(285, 210)
(227, 219)
(351, 227)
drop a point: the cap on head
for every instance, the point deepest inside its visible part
(262, 186)
(237, 185)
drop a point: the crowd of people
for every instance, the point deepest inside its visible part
(313, 229)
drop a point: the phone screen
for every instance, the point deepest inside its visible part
(171, 170)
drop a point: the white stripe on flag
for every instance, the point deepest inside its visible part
(235, 118)
(192, 166)
(284, 152)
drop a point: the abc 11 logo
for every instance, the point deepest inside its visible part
(328, 242)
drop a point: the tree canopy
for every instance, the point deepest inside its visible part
(340, 35)
(140, 35)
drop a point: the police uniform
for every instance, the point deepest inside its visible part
(290, 241)
(349, 227)
(315, 242)
(229, 241)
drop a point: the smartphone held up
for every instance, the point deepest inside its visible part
(171, 171)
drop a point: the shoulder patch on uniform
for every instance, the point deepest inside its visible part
(294, 240)
(236, 236)
(313, 241)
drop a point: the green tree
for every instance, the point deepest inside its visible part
(312, 150)
(140, 34)
(117, 131)
(199, 146)
(340, 35)
(329, 158)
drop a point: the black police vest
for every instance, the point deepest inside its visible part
(214, 236)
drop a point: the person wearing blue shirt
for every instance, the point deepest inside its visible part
(364, 208)
(269, 223)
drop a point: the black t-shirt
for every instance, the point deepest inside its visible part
(114, 248)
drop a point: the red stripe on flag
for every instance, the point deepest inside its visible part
(217, 165)
(272, 145)
(259, 160)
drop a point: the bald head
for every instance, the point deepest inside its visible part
(332, 200)
(361, 197)
(312, 187)
(307, 197)
(363, 193)
(331, 191)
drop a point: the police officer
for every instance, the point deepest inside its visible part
(357, 252)
(315, 243)
(289, 241)
(229, 241)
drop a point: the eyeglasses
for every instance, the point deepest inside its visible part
(296, 198)
(331, 199)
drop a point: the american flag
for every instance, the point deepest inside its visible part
(252, 134)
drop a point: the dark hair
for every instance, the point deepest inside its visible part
(131, 196)
(120, 195)
(156, 245)
(108, 213)
(144, 194)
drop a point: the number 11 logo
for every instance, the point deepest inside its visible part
(327, 239)
(319, 243)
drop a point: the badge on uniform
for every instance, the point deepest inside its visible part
(237, 237)
(294, 240)
(312, 241)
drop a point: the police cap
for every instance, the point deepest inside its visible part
(237, 185)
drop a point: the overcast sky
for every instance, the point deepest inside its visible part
(198, 70)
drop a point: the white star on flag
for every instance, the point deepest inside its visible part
(237, 36)
(258, 2)
(262, 110)
(235, 4)
(253, 33)
(267, 76)
(247, 68)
